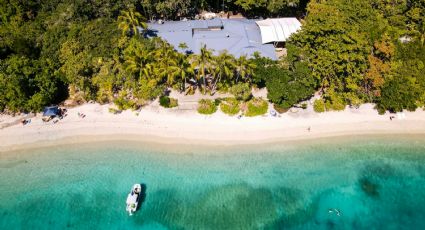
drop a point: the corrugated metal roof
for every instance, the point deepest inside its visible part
(278, 29)
(237, 36)
(216, 22)
(196, 24)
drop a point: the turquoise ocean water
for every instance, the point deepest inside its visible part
(375, 183)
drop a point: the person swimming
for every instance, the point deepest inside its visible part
(334, 210)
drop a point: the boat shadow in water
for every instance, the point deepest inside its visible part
(142, 195)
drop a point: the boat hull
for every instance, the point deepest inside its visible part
(133, 199)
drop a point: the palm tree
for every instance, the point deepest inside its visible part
(150, 71)
(131, 20)
(202, 63)
(166, 57)
(136, 57)
(244, 68)
(224, 66)
(181, 68)
(183, 45)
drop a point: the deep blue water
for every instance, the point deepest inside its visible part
(375, 183)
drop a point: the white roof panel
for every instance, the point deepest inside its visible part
(278, 29)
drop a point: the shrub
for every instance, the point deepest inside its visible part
(334, 101)
(319, 106)
(287, 88)
(217, 101)
(336, 104)
(206, 106)
(304, 105)
(173, 102)
(123, 103)
(149, 89)
(164, 101)
(398, 94)
(168, 102)
(256, 107)
(230, 106)
(114, 111)
(241, 91)
(280, 109)
(421, 102)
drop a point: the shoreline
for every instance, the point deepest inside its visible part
(161, 143)
(157, 125)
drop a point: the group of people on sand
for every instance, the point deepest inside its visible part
(81, 115)
(61, 115)
(25, 121)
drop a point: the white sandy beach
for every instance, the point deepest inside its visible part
(157, 124)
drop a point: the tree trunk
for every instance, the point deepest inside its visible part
(215, 84)
(205, 85)
(184, 85)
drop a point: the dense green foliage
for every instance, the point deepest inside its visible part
(287, 83)
(174, 9)
(319, 106)
(241, 91)
(256, 107)
(47, 45)
(364, 51)
(398, 94)
(271, 8)
(168, 102)
(352, 51)
(54, 50)
(206, 106)
(230, 106)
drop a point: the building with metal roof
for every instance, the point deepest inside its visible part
(237, 36)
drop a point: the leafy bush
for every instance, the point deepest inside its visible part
(398, 94)
(168, 102)
(319, 106)
(287, 88)
(304, 105)
(123, 103)
(217, 101)
(280, 109)
(206, 106)
(335, 102)
(261, 73)
(230, 106)
(114, 111)
(241, 91)
(256, 107)
(173, 103)
(149, 89)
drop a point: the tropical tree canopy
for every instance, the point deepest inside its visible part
(349, 51)
(130, 21)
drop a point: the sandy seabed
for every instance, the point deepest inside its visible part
(173, 126)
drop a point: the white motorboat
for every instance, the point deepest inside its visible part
(133, 198)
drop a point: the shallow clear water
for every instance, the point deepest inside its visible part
(375, 183)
